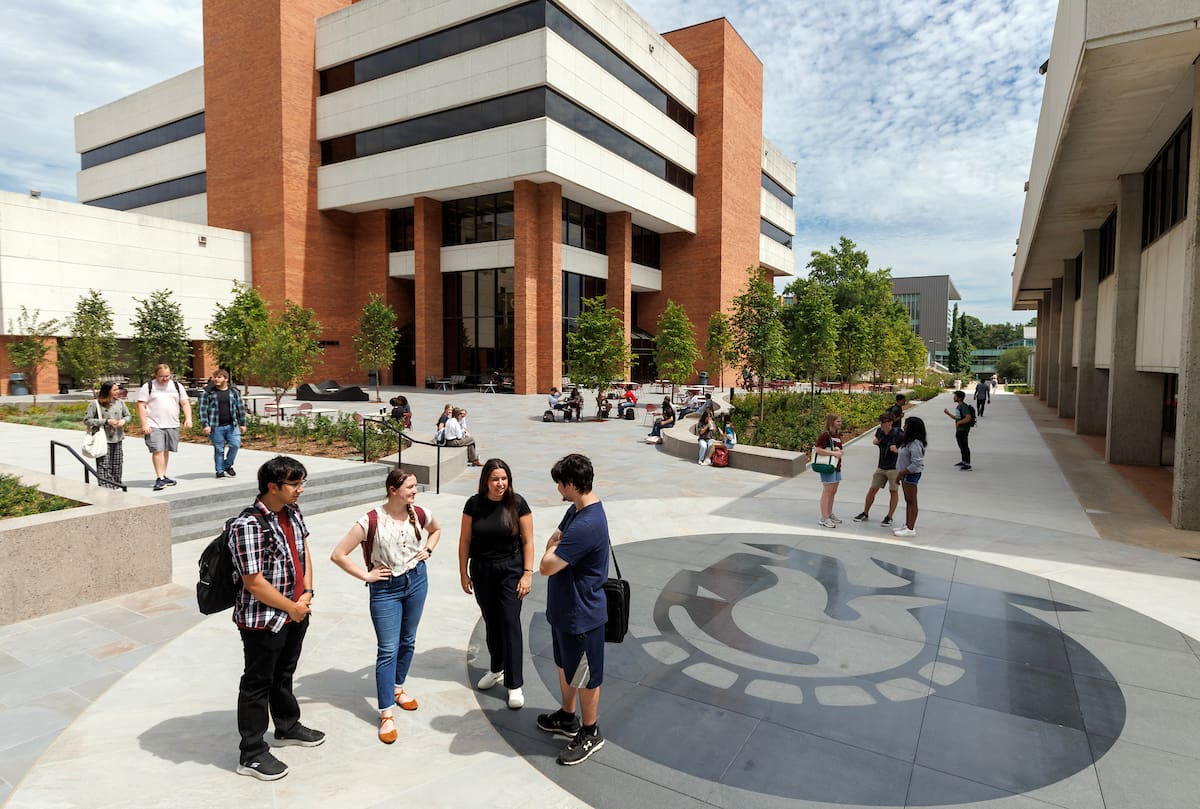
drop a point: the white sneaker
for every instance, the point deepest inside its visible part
(827, 523)
(490, 679)
(836, 519)
(516, 698)
(904, 532)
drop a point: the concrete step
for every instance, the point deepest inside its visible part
(203, 514)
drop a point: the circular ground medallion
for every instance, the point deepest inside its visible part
(773, 670)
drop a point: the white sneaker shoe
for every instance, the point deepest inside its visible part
(827, 523)
(490, 679)
(516, 698)
(836, 519)
(904, 532)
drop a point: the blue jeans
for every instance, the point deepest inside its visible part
(222, 436)
(396, 607)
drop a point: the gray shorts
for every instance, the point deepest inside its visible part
(163, 440)
(888, 477)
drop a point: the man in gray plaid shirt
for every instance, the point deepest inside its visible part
(269, 542)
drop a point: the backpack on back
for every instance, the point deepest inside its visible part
(971, 412)
(368, 545)
(217, 587)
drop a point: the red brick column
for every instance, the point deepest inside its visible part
(619, 246)
(427, 288)
(537, 279)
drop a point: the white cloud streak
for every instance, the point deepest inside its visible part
(911, 121)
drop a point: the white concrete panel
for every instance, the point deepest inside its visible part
(374, 25)
(506, 67)
(584, 262)
(485, 256)
(167, 162)
(402, 264)
(775, 257)
(539, 150)
(159, 104)
(775, 211)
(193, 209)
(1123, 19)
(779, 167)
(645, 279)
(1105, 316)
(1077, 333)
(1160, 303)
(52, 252)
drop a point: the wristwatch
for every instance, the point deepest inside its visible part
(309, 592)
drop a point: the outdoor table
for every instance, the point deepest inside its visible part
(487, 387)
(253, 400)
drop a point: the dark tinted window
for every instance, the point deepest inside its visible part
(401, 235)
(778, 234)
(584, 227)
(1164, 185)
(646, 247)
(151, 138)
(485, 218)
(151, 194)
(1108, 246)
(777, 190)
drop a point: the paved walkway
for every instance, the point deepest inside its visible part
(766, 652)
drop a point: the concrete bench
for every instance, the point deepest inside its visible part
(680, 441)
(422, 460)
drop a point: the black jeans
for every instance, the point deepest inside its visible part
(963, 438)
(495, 585)
(266, 685)
(979, 403)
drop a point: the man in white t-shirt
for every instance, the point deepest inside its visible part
(158, 404)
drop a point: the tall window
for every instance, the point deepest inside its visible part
(401, 235)
(477, 325)
(646, 248)
(584, 227)
(575, 288)
(487, 218)
(1108, 246)
(1164, 185)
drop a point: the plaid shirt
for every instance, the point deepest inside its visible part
(256, 551)
(210, 410)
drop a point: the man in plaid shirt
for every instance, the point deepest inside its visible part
(224, 420)
(270, 553)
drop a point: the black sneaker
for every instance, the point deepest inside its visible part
(960, 464)
(265, 768)
(862, 517)
(230, 472)
(220, 474)
(559, 723)
(582, 746)
(965, 467)
(159, 485)
(886, 521)
(169, 482)
(300, 735)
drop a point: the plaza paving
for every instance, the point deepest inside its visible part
(1008, 655)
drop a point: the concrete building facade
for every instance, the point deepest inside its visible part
(1108, 251)
(927, 300)
(483, 164)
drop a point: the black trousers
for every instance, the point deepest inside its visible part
(495, 584)
(964, 447)
(979, 403)
(266, 685)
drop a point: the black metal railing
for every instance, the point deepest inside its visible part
(401, 437)
(88, 469)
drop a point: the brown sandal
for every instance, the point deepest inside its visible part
(405, 702)
(387, 736)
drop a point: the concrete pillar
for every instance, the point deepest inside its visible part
(1043, 345)
(1134, 398)
(1066, 344)
(1091, 392)
(427, 288)
(1054, 321)
(1185, 501)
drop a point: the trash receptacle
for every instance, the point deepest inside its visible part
(704, 377)
(17, 386)
(372, 376)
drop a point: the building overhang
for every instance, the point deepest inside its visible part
(1111, 102)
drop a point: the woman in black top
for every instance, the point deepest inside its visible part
(495, 562)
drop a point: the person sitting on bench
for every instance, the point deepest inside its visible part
(628, 401)
(558, 401)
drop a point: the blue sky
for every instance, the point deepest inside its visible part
(911, 121)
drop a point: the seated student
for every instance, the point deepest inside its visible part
(558, 401)
(694, 404)
(458, 436)
(401, 411)
(664, 422)
(628, 402)
(730, 435)
(575, 402)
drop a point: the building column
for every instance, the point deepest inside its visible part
(1066, 344)
(1134, 398)
(1091, 391)
(427, 288)
(1054, 322)
(1185, 500)
(619, 246)
(1043, 346)
(537, 280)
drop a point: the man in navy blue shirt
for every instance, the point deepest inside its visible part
(576, 564)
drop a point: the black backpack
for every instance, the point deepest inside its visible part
(217, 587)
(971, 411)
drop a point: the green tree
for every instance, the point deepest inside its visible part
(718, 345)
(375, 343)
(756, 328)
(598, 348)
(28, 352)
(235, 328)
(844, 271)
(159, 335)
(998, 334)
(972, 329)
(675, 352)
(1013, 363)
(811, 328)
(88, 353)
(959, 347)
(915, 354)
(852, 344)
(286, 351)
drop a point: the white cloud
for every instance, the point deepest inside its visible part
(911, 121)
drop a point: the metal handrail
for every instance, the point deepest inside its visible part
(87, 468)
(401, 437)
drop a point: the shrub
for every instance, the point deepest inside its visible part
(19, 500)
(793, 421)
(923, 393)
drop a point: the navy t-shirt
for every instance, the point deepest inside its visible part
(575, 600)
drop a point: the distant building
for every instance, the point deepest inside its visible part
(927, 299)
